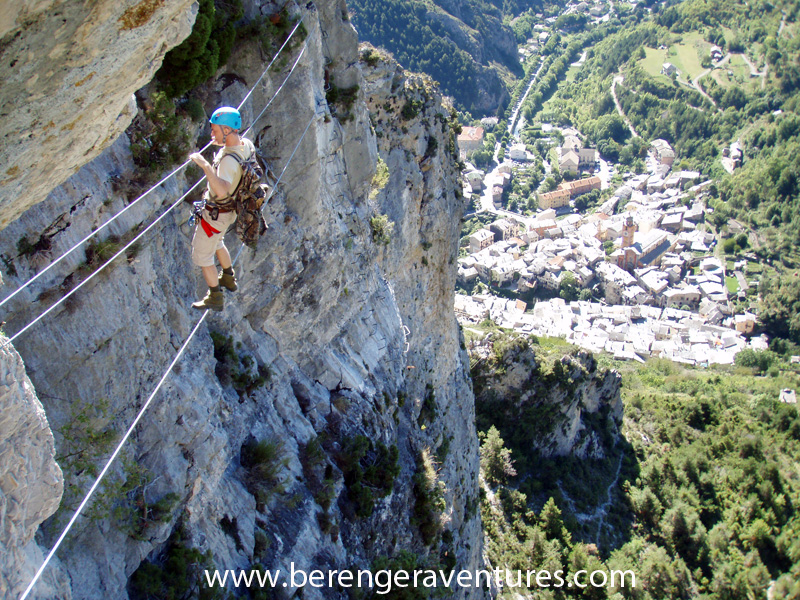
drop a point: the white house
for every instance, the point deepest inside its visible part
(518, 152)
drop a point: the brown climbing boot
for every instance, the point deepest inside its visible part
(228, 281)
(214, 300)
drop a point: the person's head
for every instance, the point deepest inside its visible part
(224, 121)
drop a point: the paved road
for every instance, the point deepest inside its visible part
(604, 174)
(514, 131)
(618, 79)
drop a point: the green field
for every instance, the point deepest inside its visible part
(571, 73)
(685, 55)
(735, 73)
(652, 63)
(732, 284)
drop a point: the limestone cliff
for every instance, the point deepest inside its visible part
(30, 479)
(69, 71)
(326, 417)
(559, 402)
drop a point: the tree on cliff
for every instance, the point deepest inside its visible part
(496, 462)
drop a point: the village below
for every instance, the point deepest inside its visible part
(610, 259)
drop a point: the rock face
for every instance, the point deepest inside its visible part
(563, 401)
(70, 70)
(340, 352)
(462, 18)
(30, 480)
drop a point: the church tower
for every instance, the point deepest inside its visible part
(627, 233)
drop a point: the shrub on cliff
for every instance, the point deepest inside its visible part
(206, 49)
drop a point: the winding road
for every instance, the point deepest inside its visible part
(695, 83)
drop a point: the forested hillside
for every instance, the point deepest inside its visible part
(466, 45)
(706, 499)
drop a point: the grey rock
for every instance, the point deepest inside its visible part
(68, 93)
(31, 482)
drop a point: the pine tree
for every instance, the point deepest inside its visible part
(496, 462)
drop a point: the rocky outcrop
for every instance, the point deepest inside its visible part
(30, 480)
(70, 70)
(485, 48)
(339, 352)
(563, 402)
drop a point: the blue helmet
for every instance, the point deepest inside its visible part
(228, 117)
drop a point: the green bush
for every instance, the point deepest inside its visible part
(194, 108)
(341, 100)
(380, 179)
(264, 463)
(369, 471)
(427, 412)
(240, 371)
(411, 109)
(158, 136)
(176, 573)
(382, 229)
(760, 360)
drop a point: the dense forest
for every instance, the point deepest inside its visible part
(460, 60)
(705, 504)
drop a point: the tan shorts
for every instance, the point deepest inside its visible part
(203, 246)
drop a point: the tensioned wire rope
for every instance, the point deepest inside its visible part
(141, 412)
(148, 228)
(159, 183)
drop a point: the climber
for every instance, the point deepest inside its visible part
(219, 213)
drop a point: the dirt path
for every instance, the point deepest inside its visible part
(601, 511)
(695, 83)
(619, 79)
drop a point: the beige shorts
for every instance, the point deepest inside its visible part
(203, 246)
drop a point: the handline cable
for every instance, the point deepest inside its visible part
(101, 267)
(111, 460)
(96, 231)
(141, 412)
(10, 340)
(159, 183)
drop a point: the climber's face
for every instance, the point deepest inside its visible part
(218, 133)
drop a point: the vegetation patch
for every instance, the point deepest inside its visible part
(429, 503)
(382, 229)
(264, 462)
(341, 100)
(380, 179)
(369, 472)
(206, 49)
(175, 572)
(239, 370)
